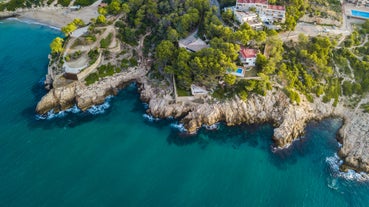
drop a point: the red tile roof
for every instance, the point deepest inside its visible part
(248, 53)
(252, 1)
(276, 7)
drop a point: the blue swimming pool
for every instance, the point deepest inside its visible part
(361, 14)
(239, 70)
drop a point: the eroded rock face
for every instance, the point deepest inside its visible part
(84, 97)
(355, 141)
(288, 119)
(57, 99)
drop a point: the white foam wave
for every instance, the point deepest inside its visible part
(335, 162)
(145, 105)
(29, 21)
(100, 109)
(277, 148)
(211, 127)
(150, 118)
(96, 109)
(178, 126)
(52, 115)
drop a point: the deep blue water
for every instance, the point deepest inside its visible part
(119, 158)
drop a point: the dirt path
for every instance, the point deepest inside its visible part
(139, 47)
(362, 101)
(362, 44)
(108, 29)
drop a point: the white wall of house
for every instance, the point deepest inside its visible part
(248, 61)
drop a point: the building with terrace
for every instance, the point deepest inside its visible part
(267, 12)
(250, 18)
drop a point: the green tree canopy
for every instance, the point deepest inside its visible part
(164, 52)
(101, 19)
(79, 22)
(69, 28)
(56, 45)
(102, 11)
(114, 7)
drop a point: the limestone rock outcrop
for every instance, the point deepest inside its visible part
(288, 119)
(76, 93)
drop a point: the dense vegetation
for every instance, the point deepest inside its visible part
(109, 70)
(69, 28)
(102, 71)
(353, 62)
(93, 55)
(313, 67)
(305, 67)
(84, 2)
(14, 4)
(175, 20)
(56, 45)
(64, 3)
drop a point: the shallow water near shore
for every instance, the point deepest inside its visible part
(122, 158)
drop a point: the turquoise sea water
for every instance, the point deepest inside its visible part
(120, 158)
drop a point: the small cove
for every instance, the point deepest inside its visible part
(120, 158)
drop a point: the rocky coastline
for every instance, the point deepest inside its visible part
(288, 119)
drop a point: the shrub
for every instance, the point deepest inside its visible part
(84, 2)
(105, 42)
(92, 78)
(64, 3)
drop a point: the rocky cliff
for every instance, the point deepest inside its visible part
(288, 119)
(77, 93)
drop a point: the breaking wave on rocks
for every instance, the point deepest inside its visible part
(212, 127)
(150, 118)
(99, 109)
(52, 115)
(145, 105)
(335, 162)
(180, 127)
(93, 110)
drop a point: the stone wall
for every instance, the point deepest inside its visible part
(85, 72)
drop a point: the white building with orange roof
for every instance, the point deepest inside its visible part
(248, 56)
